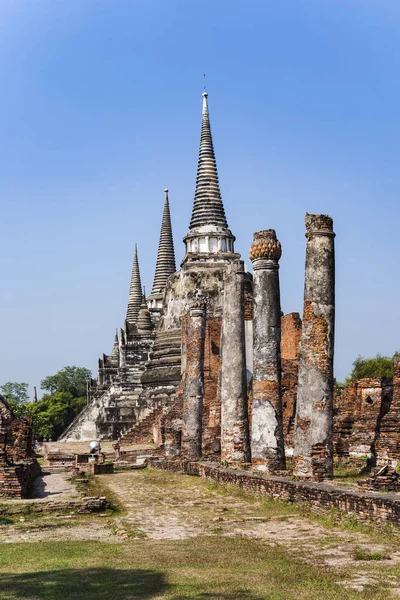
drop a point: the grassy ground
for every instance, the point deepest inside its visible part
(232, 546)
(201, 568)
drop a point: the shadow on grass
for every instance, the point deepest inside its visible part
(103, 584)
(236, 595)
(91, 584)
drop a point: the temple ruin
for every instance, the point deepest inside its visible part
(208, 367)
(18, 467)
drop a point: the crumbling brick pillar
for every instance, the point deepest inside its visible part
(3, 444)
(193, 387)
(313, 449)
(234, 421)
(267, 446)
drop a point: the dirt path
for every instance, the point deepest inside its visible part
(169, 506)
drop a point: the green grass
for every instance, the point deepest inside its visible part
(360, 554)
(201, 568)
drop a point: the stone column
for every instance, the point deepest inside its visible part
(267, 447)
(193, 390)
(234, 421)
(313, 450)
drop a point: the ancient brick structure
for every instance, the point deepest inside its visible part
(366, 422)
(211, 427)
(291, 336)
(17, 466)
(267, 445)
(207, 335)
(200, 386)
(313, 450)
(290, 356)
(142, 386)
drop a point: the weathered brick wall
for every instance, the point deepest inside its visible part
(290, 371)
(380, 508)
(22, 440)
(212, 402)
(387, 446)
(16, 479)
(290, 354)
(291, 336)
(366, 422)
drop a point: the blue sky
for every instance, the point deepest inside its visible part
(100, 110)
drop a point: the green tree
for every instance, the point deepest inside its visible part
(65, 398)
(69, 379)
(14, 392)
(378, 366)
(54, 412)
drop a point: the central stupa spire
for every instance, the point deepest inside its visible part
(208, 208)
(209, 238)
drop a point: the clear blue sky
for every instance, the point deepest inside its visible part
(100, 109)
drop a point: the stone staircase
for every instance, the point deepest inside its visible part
(160, 382)
(142, 432)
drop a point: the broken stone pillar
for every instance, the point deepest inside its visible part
(117, 450)
(193, 389)
(267, 446)
(234, 420)
(313, 449)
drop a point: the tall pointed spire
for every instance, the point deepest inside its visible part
(166, 256)
(208, 208)
(135, 292)
(209, 238)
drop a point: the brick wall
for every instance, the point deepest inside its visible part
(380, 508)
(366, 421)
(16, 479)
(291, 336)
(290, 354)
(212, 401)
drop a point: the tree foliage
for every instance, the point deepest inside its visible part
(69, 379)
(16, 393)
(65, 398)
(378, 366)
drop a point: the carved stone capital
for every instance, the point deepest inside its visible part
(265, 246)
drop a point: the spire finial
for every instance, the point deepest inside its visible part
(205, 89)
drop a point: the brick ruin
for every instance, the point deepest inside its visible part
(366, 422)
(208, 367)
(17, 466)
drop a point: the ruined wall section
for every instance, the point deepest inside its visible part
(387, 446)
(211, 433)
(196, 283)
(366, 421)
(17, 466)
(290, 355)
